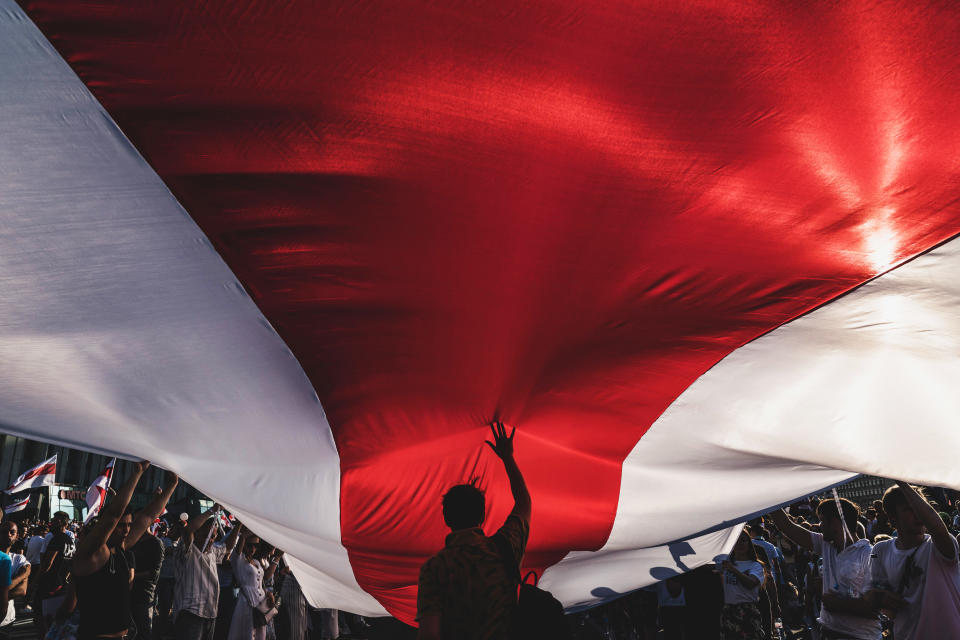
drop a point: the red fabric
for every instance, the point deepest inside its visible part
(561, 213)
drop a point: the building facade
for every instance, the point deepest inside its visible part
(76, 470)
(864, 489)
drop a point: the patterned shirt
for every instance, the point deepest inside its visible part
(197, 588)
(467, 584)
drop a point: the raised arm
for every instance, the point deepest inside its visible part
(231, 542)
(149, 514)
(274, 563)
(931, 519)
(92, 551)
(746, 579)
(502, 445)
(194, 524)
(797, 534)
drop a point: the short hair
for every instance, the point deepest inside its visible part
(464, 506)
(828, 509)
(894, 497)
(61, 515)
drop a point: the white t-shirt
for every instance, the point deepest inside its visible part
(932, 592)
(846, 572)
(733, 590)
(35, 547)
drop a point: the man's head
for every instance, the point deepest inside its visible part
(59, 522)
(871, 513)
(464, 507)
(202, 533)
(8, 534)
(121, 531)
(830, 522)
(900, 512)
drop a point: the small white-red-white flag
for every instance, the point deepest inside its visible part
(97, 493)
(42, 475)
(19, 505)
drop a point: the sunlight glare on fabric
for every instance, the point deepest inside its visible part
(881, 242)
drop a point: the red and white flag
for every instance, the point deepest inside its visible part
(19, 505)
(701, 280)
(97, 493)
(42, 475)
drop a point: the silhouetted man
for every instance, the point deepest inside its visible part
(465, 591)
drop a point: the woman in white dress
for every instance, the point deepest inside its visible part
(248, 575)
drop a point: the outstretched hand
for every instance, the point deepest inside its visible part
(502, 444)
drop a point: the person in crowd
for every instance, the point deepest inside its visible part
(170, 537)
(104, 566)
(703, 595)
(34, 551)
(294, 605)
(148, 557)
(916, 575)
(197, 589)
(465, 590)
(769, 557)
(6, 573)
(269, 558)
(845, 574)
(250, 574)
(54, 566)
(672, 613)
(743, 576)
(870, 518)
(19, 569)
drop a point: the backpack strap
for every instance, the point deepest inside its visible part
(506, 556)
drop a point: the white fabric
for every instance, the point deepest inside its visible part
(584, 578)
(847, 573)
(734, 591)
(862, 384)
(888, 567)
(125, 332)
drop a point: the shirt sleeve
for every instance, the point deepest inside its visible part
(516, 531)
(944, 560)
(817, 540)
(6, 571)
(755, 570)
(429, 600)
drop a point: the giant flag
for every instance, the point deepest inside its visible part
(701, 254)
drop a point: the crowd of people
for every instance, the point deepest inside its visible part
(129, 574)
(821, 570)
